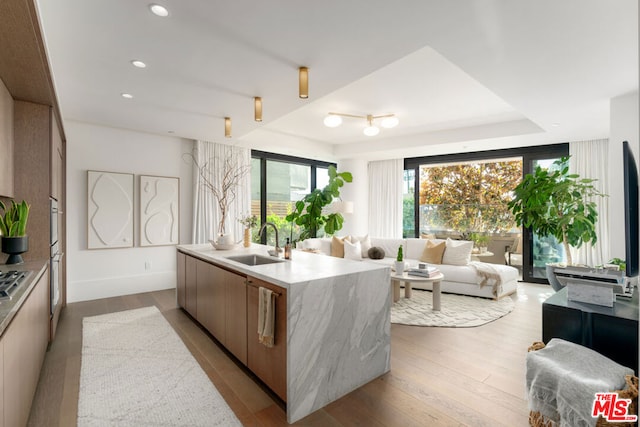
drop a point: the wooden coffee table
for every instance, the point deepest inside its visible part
(408, 280)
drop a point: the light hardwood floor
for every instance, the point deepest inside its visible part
(439, 376)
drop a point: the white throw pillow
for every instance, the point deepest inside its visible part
(352, 250)
(365, 243)
(457, 252)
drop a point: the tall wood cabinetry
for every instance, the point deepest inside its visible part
(6, 142)
(39, 176)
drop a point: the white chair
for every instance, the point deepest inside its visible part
(513, 253)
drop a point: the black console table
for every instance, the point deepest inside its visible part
(611, 331)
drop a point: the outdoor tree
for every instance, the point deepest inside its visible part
(469, 197)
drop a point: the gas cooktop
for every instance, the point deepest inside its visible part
(10, 282)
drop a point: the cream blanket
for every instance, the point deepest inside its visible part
(266, 316)
(488, 275)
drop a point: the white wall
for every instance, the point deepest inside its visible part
(93, 274)
(357, 223)
(624, 127)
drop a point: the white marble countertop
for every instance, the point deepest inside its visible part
(302, 268)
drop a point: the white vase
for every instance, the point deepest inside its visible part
(399, 267)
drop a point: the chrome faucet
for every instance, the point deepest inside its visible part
(278, 249)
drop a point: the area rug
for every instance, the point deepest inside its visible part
(136, 371)
(458, 311)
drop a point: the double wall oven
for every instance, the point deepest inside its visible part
(56, 256)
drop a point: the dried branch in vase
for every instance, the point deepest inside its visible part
(224, 188)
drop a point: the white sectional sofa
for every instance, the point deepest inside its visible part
(474, 279)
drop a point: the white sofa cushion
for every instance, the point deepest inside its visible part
(458, 252)
(365, 244)
(352, 250)
(390, 246)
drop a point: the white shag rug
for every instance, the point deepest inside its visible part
(136, 371)
(458, 311)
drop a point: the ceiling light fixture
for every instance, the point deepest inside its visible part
(303, 80)
(388, 121)
(257, 109)
(138, 64)
(126, 95)
(159, 10)
(227, 127)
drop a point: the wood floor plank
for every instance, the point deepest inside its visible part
(439, 376)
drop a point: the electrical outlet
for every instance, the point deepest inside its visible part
(147, 265)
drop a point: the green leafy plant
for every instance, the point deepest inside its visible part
(308, 214)
(619, 262)
(400, 255)
(249, 221)
(553, 202)
(14, 221)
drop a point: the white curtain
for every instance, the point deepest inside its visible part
(385, 198)
(589, 159)
(206, 214)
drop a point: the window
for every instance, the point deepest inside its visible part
(277, 183)
(463, 195)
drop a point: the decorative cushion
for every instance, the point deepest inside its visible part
(433, 252)
(365, 244)
(457, 252)
(337, 246)
(352, 250)
(376, 253)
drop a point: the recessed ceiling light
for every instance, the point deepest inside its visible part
(127, 95)
(555, 125)
(139, 64)
(159, 10)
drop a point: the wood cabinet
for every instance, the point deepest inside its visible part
(222, 307)
(24, 344)
(226, 304)
(6, 142)
(180, 280)
(268, 363)
(190, 288)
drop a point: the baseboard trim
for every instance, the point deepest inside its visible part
(87, 290)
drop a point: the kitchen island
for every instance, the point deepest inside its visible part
(334, 312)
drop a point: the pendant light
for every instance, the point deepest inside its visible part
(257, 109)
(303, 80)
(227, 127)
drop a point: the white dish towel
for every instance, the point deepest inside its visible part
(266, 316)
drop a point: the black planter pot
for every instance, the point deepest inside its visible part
(14, 246)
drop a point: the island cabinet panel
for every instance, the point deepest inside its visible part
(180, 280)
(236, 315)
(190, 287)
(211, 295)
(268, 363)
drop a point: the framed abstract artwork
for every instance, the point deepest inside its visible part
(159, 210)
(109, 210)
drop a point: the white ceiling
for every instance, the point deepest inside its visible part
(460, 75)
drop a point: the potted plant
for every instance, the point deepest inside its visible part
(249, 222)
(399, 261)
(480, 241)
(13, 225)
(308, 212)
(553, 202)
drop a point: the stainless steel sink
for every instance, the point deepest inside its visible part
(254, 259)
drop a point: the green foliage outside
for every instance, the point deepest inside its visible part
(470, 197)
